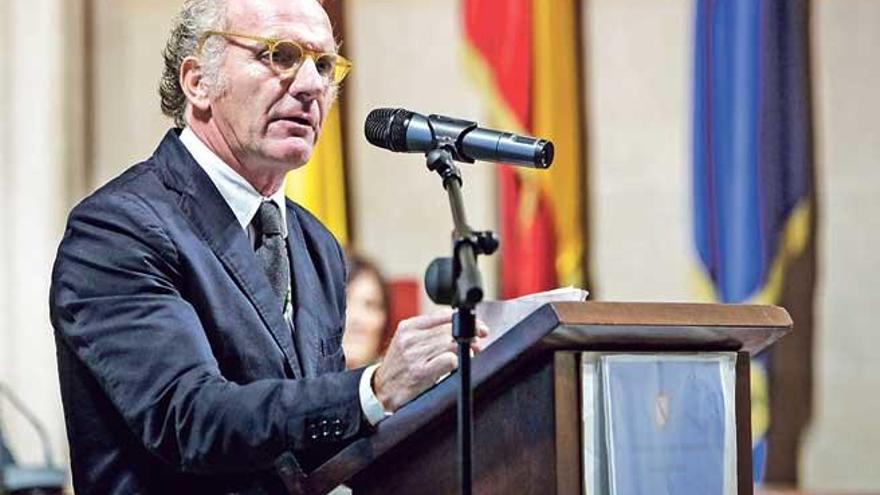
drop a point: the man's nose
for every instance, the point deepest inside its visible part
(308, 85)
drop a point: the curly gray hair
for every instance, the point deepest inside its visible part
(195, 18)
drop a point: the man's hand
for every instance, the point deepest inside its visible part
(421, 352)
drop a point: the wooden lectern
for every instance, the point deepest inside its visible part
(527, 406)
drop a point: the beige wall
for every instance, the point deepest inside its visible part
(841, 452)
(638, 60)
(33, 204)
(5, 178)
(129, 38)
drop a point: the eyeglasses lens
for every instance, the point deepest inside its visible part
(286, 56)
(326, 65)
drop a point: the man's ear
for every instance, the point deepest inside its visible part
(193, 83)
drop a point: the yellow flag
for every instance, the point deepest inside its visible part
(319, 185)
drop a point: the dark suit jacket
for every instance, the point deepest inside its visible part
(178, 372)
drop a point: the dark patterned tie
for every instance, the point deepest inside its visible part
(271, 249)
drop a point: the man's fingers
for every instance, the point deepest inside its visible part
(428, 321)
(427, 343)
(482, 329)
(442, 364)
(438, 349)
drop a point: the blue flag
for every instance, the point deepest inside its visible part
(751, 156)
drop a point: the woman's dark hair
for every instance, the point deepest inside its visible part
(358, 265)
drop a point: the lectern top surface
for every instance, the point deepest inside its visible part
(666, 326)
(671, 314)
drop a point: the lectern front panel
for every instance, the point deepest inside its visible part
(659, 423)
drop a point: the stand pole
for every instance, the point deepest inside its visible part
(463, 319)
(464, 291)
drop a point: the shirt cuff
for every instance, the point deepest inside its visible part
(373, 410)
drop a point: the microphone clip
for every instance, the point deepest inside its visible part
(443, 272)
(441, 159)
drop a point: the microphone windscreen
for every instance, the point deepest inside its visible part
(377, 127)
(387, 128)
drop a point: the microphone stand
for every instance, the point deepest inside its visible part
(457, 282)
(17, 479)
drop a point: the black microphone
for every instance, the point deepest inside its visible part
(397, 129)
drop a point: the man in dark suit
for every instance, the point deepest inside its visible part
(198, 314)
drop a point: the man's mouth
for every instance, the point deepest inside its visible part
(300, 120)
(298, 125)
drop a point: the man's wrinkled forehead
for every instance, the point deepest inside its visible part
(302, 20)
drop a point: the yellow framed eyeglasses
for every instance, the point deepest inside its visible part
(287, 56)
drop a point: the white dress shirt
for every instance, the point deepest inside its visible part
(244, 201)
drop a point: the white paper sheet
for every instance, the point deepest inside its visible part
(501, 316)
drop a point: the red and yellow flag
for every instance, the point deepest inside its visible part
(525, 54)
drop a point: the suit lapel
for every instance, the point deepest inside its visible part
(312, 320)
(217, 225)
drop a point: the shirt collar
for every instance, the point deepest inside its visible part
(243, 199)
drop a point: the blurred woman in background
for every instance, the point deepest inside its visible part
(367, 327)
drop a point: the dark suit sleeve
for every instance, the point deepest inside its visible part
(116, 305)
